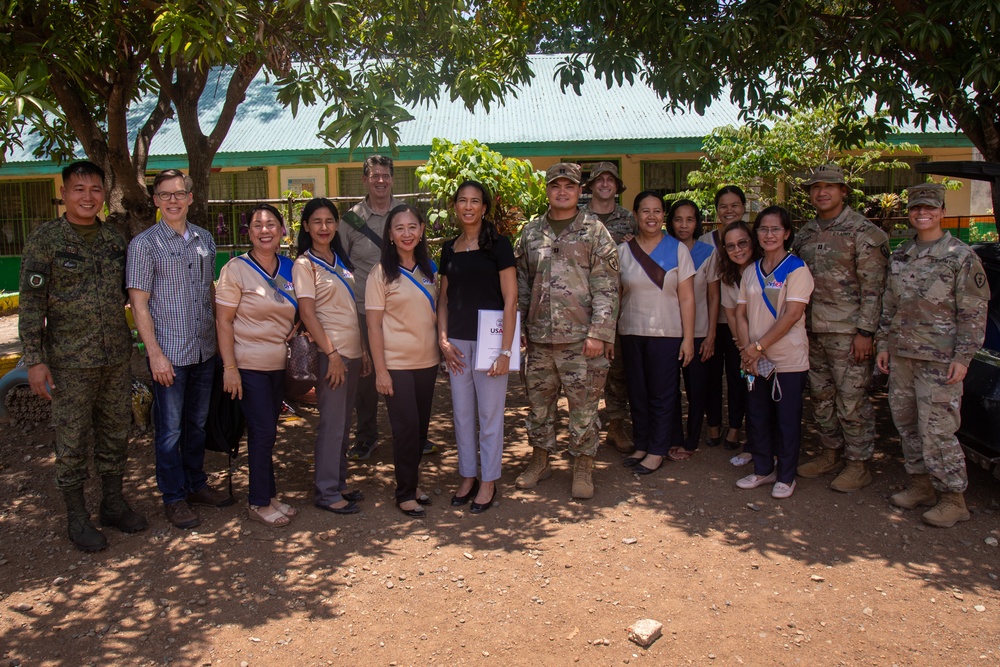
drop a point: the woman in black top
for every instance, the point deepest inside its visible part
(477, 273)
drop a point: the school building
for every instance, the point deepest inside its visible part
(268, 151)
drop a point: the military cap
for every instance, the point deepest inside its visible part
(563, 170)
(825, 173)
(604, 168)
(925, 194)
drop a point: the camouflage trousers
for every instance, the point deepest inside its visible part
(91, 406)
(549, 368)
(845, 417)
(615, 390)
(927, 414)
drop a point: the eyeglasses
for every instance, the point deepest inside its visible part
(770, 231)
(742, 244)
(172, 196)
(379, 177)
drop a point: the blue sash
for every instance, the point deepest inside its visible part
(418, 283)
(665, 253)
(700, 252)
(770, 287)
(322, 263)
(284, 270)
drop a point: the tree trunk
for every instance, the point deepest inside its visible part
(185, 91)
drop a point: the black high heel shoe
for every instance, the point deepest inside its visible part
(458, 501)
(416, 512)
(479, 508)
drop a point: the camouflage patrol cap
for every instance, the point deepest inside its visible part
(604, 168)
(825, 173)
(563, 170)
(925, 194)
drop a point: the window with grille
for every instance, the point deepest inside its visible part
(894, 180)
(228, 192)
(667, 178)
(404, 181)
(23, 206)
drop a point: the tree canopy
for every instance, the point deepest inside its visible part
(919, 60)
(81, 72)
(763, 160)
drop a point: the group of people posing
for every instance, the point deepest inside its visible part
(608, 303)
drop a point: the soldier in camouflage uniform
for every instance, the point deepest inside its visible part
(604, 185)
(77, 346)
(933, 322)
(567, 280)
(847, 256)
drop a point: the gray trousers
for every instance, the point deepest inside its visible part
(334, 431)
(474, 393)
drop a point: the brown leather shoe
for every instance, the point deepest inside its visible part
(210, 497)
(181, 515)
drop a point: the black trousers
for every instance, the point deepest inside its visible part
(775, 418)
(696, 383)
(409, 410)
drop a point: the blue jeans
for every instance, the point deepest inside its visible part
(179, 414)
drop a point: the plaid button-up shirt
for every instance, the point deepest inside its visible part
(177, 273)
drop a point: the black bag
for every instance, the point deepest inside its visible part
(226, 424)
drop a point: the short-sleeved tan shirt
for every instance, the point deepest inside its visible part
(646, 309)
(409, 323)
(262, 323)
(336, 308)
(791, 353)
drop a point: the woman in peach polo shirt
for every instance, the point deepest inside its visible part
(770, 314)
(254, 315)
(400, 306)
(324, 285)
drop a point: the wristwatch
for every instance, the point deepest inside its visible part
(866, 333)
(506, 353)
(760, 348)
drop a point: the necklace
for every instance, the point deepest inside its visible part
(470, 243)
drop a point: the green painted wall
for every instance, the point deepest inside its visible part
(10, 269)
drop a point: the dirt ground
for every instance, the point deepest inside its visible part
(736, 577)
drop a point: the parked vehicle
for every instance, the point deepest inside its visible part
(980, 431)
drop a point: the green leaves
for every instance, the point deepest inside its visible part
(767, 159)
(518, 190)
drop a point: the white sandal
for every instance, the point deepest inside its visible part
(275, 519)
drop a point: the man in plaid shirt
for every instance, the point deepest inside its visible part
(169, 276)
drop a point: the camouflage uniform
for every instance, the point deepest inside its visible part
(934, 313)
(847, 257)
(620, 223)
(567, 292)
(72, 318)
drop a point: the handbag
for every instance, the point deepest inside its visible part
(303, 360)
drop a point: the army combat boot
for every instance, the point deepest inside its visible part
(950, 510)
(115, 511)
(827, 461)
(81, 532)
(853, 477)
(618, 437)
(583, 477)
(537, 470)
(921, 492)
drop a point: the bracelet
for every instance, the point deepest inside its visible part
(331, 352)
(227, 367)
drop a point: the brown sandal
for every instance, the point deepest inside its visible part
(680, 454)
